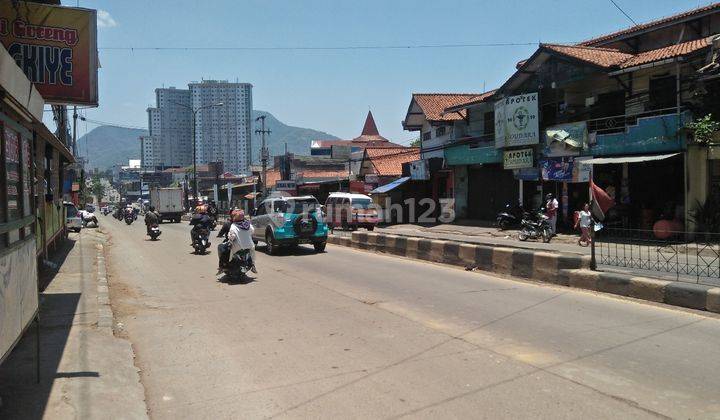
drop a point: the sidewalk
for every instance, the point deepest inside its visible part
(460, 232)
(86, 372)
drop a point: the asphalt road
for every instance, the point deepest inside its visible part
(351, 334)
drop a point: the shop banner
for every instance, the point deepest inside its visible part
(566, 139)
(419, 170)
(56, 48)
(517, 159)
(565, 169)
(285, 185)
(516, 121)
(527, 174)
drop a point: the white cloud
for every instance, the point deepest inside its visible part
(105, 20)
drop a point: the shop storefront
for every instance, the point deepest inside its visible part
(482, 186)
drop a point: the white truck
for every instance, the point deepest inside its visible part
(168, 202)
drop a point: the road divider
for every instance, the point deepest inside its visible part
(543, 266)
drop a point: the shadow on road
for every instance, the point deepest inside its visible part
(232, 281)
(23, 398)
(47, 272)
(292, 251)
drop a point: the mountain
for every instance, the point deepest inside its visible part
(297, 139)
(106, 145)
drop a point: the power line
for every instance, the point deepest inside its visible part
(96, 122)
(321, 48)
(623, 12)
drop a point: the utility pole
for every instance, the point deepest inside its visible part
(74, 138)
(263, 154)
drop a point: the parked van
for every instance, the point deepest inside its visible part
(350, 211)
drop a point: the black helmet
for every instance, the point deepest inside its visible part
(549, 196)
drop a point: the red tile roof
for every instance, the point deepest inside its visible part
(388, 161)
(472, 101)
(601, 57)
(433, 105)
(273, 176)
(370, 137)
(672, 51)
(650, 25)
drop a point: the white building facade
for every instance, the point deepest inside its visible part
(170, 123)
(150, 152)
(223, 133)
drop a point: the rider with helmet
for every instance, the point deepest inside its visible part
(200, 220)
(239, 238)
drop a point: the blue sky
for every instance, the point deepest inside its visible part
(332, 90)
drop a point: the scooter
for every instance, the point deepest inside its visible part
(129, 218)
(154, 232)
(90, 219)
(511, 217)
(239, 265)
(201, 241)
(535, 228)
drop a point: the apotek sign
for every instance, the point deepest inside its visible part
(518, 159)
(516, 121)
(56, 48)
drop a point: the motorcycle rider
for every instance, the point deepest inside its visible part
(225, 229)
(151, 218)
(200, 220)
(239, 238)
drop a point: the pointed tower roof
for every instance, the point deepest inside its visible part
(370, 134)
(370, 129)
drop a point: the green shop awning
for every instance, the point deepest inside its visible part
(468, 155)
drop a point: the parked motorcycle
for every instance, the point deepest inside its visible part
(535, 227)
(201, 241)
(239, 264)
(89, 218)
(154, 232)
(512, 216)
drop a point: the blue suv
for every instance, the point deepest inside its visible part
(290, 221)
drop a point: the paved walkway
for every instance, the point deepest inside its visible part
(460, 232)
(86, 372)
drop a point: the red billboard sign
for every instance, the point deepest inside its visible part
(56, 48)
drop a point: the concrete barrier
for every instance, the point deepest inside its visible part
(565, 270)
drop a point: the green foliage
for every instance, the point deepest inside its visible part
(415, 143)
(704, 128)
(706, 216)
(97, 188)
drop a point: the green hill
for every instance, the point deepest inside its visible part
(106, 146)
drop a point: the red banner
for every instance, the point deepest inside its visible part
(56, 48)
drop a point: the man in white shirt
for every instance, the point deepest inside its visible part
(240, 236)
(551, 208)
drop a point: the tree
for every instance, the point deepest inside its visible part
(97, 188)
(415, 143)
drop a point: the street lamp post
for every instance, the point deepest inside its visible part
(194, 117)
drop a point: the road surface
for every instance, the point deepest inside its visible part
(351, 334)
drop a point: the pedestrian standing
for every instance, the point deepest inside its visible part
(585, 221)
(551, 208)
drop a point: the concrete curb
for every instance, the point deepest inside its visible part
(563, 270)
(105, 315)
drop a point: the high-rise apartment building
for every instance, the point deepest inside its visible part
(150, 152)
(223, 133)
(169, 142)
